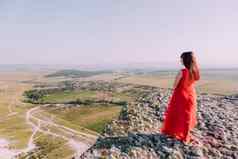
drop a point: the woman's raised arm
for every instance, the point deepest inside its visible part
(196, 69)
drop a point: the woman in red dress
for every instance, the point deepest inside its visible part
(180, 116)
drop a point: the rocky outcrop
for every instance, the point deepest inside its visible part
(136, 134)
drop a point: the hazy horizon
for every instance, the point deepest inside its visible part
(113, 33)
(134, 66)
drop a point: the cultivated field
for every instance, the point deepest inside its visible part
(212, 82)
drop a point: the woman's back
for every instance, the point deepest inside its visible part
(186, 83)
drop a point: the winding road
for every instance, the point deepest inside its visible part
(78, 141)
(11, 91)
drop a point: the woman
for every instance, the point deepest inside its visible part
(180, 116)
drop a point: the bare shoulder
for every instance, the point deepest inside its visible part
(182, 71)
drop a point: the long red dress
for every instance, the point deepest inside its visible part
(180, 116)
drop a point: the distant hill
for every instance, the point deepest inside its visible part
(76, 73)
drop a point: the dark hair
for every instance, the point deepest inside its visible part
(187, 58)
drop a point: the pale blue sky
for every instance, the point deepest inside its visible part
(117, 31)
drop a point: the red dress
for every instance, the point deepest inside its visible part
(180, 116)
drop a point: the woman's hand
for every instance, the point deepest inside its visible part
(194, 59)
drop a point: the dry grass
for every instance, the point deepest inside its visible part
(12, 111)
(150, 80)
(93, 117)
(206, 85)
